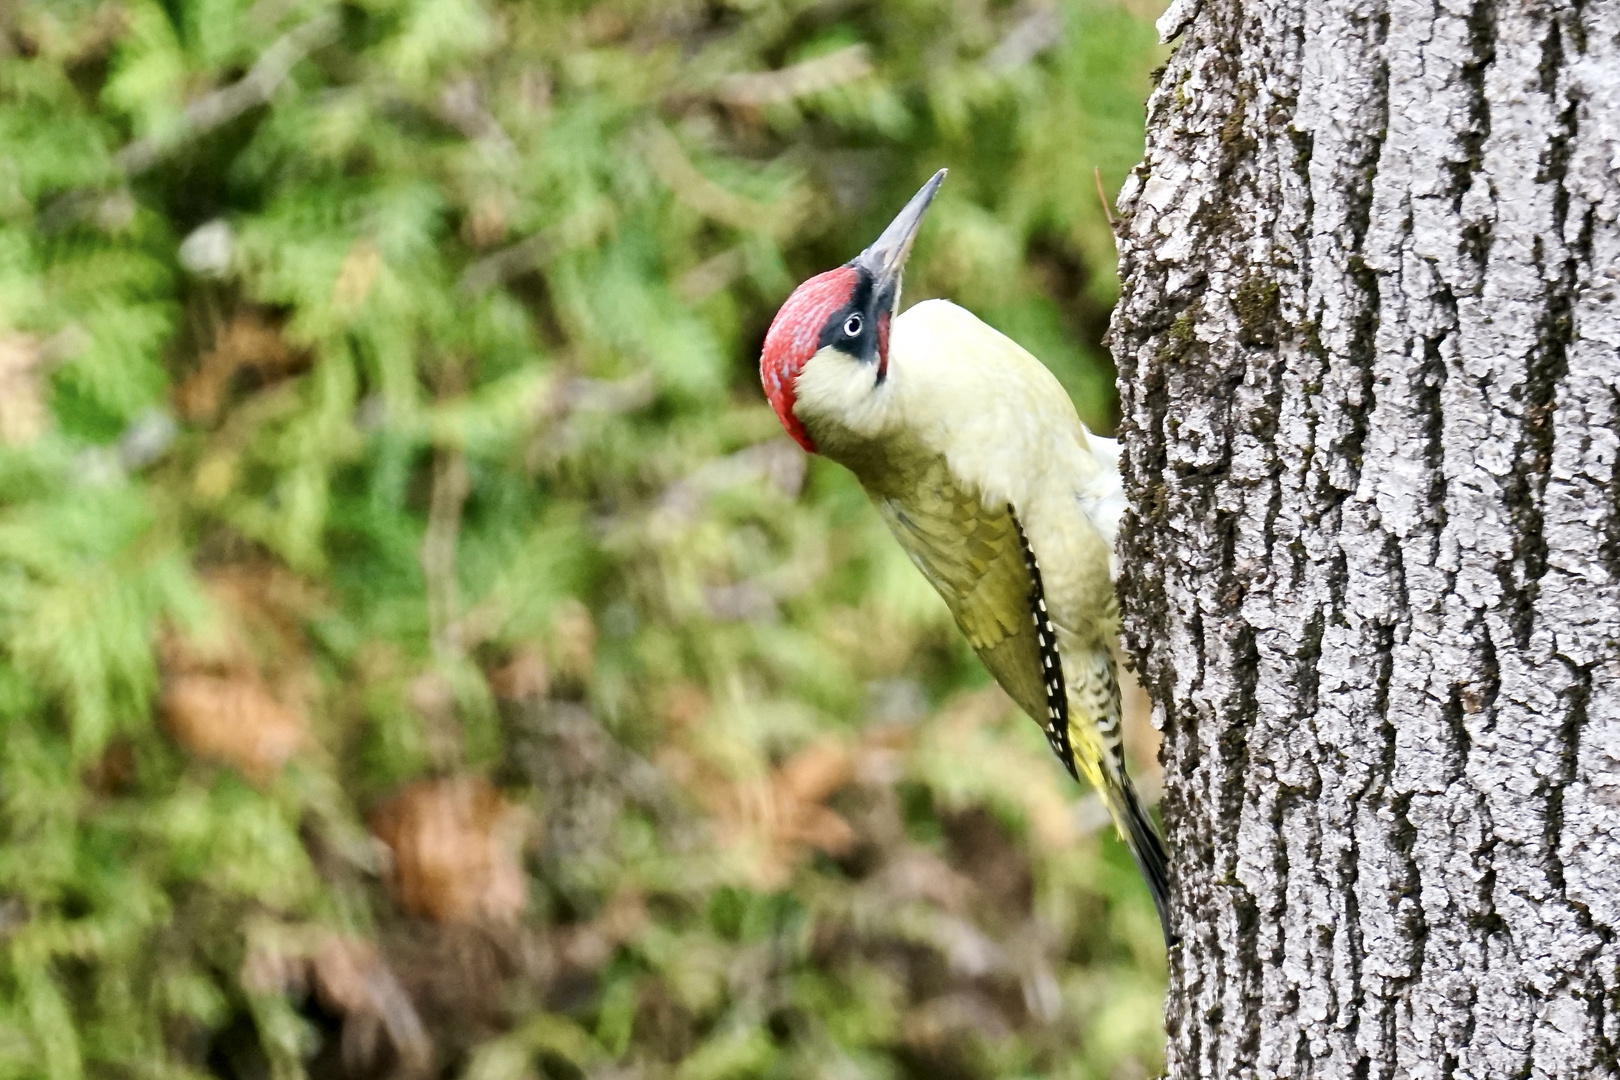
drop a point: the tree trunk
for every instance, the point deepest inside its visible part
(1369, 351)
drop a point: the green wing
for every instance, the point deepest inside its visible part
(979, 561)
(973, 557)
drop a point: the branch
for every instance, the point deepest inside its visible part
(1034, 34)
(227, 103)
(756, 89)
(695, 190)
(451, 485)
(1102, 195)
(505, 264)
(460, 103)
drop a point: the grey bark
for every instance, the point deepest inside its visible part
(1369, 354)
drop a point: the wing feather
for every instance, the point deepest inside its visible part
(979, 560)
(972, 556)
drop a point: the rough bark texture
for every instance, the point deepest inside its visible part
(1369, 348)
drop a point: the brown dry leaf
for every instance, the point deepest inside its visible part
(113, 771)
(591, 945)
(524, 677)
(22, 405)
(352, 980)
(686, 705)
(783, 812)
(265, 587)
(573, 645)
(433, 698)
(813, 826)
(801, 785)
(248, 343)
(604, 25)
(815, 772)
(265, 608)
(233, 719)
(487, 223)
(455, 845)
(356, 276)
(239, 695)
(340, 966)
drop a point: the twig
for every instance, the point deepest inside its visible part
(451, 485)
(775, 462)
(505, 264)
(568, 398)
(606, 396)
(671, 164)
(461, 104)
(1034, 34)
(711, 275)
(228, 102)
(752, 90)
(1102, 196)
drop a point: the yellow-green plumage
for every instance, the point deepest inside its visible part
(971, 555)
(975, 457)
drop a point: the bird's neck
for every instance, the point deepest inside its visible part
(886, 464)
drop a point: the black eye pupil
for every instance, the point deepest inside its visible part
(852, 325)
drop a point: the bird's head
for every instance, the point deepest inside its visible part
(836, 325)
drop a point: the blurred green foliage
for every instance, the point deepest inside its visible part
(420, 652)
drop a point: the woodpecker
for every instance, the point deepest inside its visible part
(975, 457)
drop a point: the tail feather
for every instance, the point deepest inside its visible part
(1143, 838)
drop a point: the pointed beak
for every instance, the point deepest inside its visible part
(886, 258)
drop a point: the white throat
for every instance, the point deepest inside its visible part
(836, 388)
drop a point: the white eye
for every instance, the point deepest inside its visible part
(852, 326)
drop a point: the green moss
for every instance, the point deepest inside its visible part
(1179, 340)
(1237, 141)
(1257, 303)
(1310, 334)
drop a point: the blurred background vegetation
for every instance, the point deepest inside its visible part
(421, 653)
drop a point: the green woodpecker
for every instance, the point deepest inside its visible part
(975, 457)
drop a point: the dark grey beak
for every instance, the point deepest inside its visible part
(886, 258)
